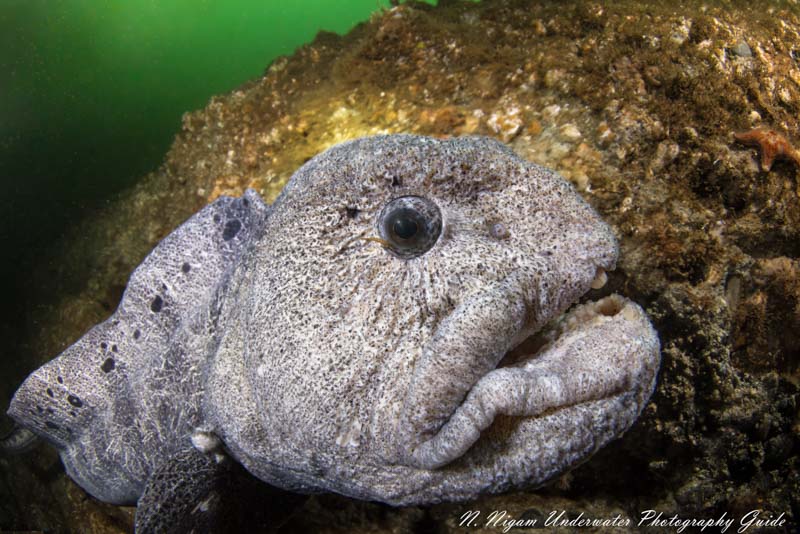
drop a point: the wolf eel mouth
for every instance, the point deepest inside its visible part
(593, 351)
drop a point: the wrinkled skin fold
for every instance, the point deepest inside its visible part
(608, 349)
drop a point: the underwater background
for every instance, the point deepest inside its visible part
(110, 137)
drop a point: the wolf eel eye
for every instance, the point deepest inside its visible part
(410, 225)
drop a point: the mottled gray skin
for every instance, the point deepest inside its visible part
(324, 362)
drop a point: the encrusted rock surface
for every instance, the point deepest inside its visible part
(636, 104)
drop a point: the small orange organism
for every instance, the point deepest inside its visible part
(771, 144)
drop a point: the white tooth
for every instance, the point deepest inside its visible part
(600, 279)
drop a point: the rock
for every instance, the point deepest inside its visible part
(741, 49)
(506, 123)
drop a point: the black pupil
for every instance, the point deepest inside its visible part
(409, 226)
(405, 228)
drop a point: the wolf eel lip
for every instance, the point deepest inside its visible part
(594, 351)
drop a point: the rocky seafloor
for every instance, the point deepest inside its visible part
(637, 105)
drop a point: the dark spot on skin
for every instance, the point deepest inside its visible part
(108, 365)
(157, 304)
(75, 401)
(353, 212)
(50, 392)
(39, 409)
(60, 380)
(136, 334)
(73, 414)
(114, 348)
(103, 345)
(216, 218)
(186, 267)
(232, 228)
(50, 411)
(52, 425)
(396, 181)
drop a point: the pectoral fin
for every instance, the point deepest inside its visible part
(187, 493)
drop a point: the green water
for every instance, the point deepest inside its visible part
(91, 94)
